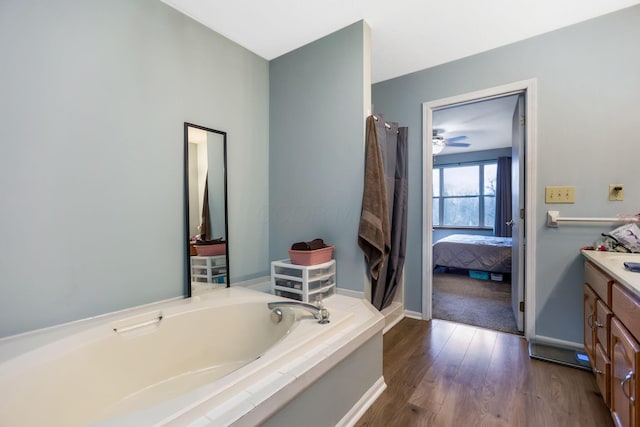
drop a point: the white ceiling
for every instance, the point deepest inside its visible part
(407, 35)
(486, 124)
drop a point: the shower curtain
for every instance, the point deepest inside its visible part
(393, 146)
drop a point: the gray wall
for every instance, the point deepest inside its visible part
(93, 96)
(316, 148)
(588, 84)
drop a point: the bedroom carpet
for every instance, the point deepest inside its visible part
(482, 303)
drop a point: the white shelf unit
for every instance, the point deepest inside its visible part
(209, 269)
(306, 283)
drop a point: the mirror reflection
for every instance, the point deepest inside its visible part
(206, 193)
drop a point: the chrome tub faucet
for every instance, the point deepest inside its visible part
(319, 312)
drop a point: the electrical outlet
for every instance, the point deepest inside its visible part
(566, 194)
(616, 192)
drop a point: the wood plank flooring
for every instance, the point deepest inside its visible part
(440, 373)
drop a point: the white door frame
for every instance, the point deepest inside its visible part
(529, 87)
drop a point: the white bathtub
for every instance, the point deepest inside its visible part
(210, 360)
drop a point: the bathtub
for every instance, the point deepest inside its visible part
(216, 359)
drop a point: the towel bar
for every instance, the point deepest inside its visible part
(553, 218)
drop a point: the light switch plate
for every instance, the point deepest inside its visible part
(562, 194)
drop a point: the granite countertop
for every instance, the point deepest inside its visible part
(613, 264)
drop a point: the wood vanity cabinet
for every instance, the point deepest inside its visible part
(611, 333)
(597, 326)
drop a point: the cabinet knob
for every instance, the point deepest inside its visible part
(598, 324)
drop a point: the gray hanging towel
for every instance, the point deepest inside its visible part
(374, 231)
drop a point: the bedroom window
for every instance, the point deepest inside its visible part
(465, 195)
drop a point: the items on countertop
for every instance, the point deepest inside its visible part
(625, 238)
(632, 266)
(628, 237)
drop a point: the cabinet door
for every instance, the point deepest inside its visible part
(589, 315)
(602, 369)
(626, 306)
(625, 358)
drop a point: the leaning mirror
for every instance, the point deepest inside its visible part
(206, 206)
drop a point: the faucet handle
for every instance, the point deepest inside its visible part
(323, 312)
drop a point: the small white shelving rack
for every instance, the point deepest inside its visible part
(209, 269)
(306, 283)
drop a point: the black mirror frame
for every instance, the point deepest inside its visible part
(187, 259)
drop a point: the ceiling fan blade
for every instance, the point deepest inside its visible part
(457, 144)
(456, 138)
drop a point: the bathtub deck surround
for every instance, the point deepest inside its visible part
(300, 356)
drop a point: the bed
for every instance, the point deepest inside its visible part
(473, 252)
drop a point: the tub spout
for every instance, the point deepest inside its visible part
(319, 312)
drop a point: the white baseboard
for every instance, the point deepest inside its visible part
(350, 293)
(392, 323)
(393, 313)
(358, 410)
(413, 314)
(554, 342)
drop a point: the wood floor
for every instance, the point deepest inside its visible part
(440, 373)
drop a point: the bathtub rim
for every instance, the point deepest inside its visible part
(21, 352)
(13, 346)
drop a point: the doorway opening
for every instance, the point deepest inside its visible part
(478, 163)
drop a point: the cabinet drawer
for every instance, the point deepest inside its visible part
(602, 325)
(626, 307)
(599, 281)
(602, 369)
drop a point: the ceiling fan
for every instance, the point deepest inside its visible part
(439, 141)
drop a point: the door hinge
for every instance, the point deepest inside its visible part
(522, 120)
(521, 213)
(522, 306)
